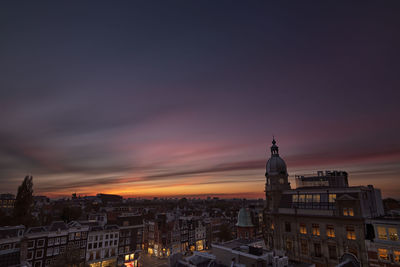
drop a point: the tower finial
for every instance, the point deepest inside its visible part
(274, 147)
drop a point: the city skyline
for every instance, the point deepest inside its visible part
(182, 99)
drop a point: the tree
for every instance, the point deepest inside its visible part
(23, 202)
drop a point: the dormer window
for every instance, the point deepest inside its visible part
(348, 212)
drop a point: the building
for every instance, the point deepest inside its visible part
(7, 202)
(322, 220)
(244, 226)
(383, 244)
(102, 246)
(10, 242)
(130, 239)
(44, 245)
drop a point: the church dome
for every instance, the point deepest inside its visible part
(275, 165)
(244, 218)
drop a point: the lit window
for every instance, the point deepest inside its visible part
(330, 231)
(309, 198)
(295, 198)
(315, 229)
(351, 234)
(348, 212)
(302, 198)
(303, 229)
(332, 198)
(317, 198)
(383, 254)
(396, 256)
(393, 235)
(127, 257)
(272, 226)
(382, 234)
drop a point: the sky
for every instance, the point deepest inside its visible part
(182, 98)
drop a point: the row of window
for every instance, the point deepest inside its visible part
(100, 237)
(95, 255)
(384, 254)
(100, 244)
(388, 233)
(304, 248)
(77, 235)
(313, 198)
(315, 230)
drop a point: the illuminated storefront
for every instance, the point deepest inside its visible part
(200, 245)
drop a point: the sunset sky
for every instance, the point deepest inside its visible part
(181, 98)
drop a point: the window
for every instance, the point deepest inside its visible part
(115, 242)
(71, 236)
(63, 240)
(383, 254)
(302, 198)
(57, 241)
(309, 198)
(62, 249)
(31, 243)
(272, 226)
(94, 245)
(39, 253)
(90, 246)
(127, 257)
(348, 212)
(37, 264)
(106, 244)
(30, 255)
(393, 235)
(382, 234)
(315, 229)
(332, 252)
(289, 245)
(351, 234)
(332, 198)
(106, 236)
(317, 249)
(396, 256)
(330, 231)
(40, 243)
(303, 247)
(317, 198)
(90, 238)
(50, 242)
(111, 236)
(56, 251)
(49, 252)
(303, 229)
(287, 227)
(78, 235)
(48, 262)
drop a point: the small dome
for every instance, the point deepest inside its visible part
(244, 218)
(275, 165)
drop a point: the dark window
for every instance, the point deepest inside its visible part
(304, 247)
(332, 252)
(288, 227)
(317, 249)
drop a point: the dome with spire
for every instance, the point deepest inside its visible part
(244, 218)
(275, 165)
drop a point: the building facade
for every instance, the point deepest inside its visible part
(322, 220)
(383, 244)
